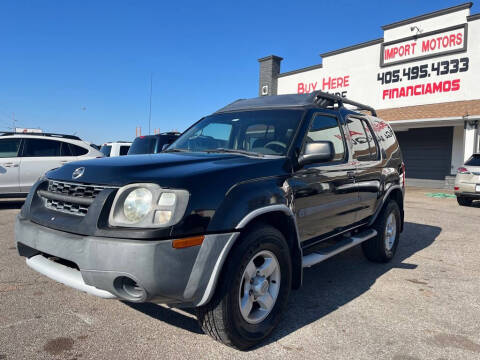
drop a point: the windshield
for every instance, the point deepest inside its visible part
(106, 149)
(474, 160)
(267, 132)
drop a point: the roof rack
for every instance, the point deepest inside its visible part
(7, 133)
(318, 96)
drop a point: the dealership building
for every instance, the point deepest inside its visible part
(421, 76)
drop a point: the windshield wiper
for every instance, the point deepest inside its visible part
(176, 150)
(234, 151)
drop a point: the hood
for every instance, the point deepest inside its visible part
(175, 170)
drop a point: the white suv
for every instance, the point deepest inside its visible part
(118, 148)
(26, 157)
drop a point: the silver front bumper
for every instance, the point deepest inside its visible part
(65, 275)
(163, 274)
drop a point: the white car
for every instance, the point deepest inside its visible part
(118, 148)
(24, 157)
(467, 182)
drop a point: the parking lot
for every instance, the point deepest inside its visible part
(423, 305)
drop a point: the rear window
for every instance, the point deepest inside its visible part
(364, 144)
(77, 150)
(142, 145)
(474, 160)
(124, 149)
(105, 150)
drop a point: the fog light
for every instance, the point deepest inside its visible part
(162, 216)
(129, 289)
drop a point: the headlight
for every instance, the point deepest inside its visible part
(137, 204)
(148, 206)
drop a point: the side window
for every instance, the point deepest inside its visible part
(326, 128)
(371, 141)
(77, 150)
(41, 148)
(359, 138)
(65, 150)
(9, 147)
(124, 150)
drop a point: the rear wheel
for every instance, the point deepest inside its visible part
(252, 292)
(464, 201)
(382, 247)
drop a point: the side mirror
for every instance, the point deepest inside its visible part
(317, 152)
(165, 146)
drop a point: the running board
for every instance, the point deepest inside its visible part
(342, 245)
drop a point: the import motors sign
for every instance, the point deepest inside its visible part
(437, 65)
(435, 43)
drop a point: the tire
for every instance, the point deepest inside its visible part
(379, 248)
(222, 318)
(464, 201)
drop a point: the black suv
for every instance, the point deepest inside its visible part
(226, 219)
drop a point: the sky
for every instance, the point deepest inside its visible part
(84, 67)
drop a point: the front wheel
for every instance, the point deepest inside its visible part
(252, 292)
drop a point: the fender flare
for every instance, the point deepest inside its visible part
(296, 269)
(383, 201)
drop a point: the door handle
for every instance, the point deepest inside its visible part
(10, 164)
(351, 174)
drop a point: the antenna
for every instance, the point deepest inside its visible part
(150, 110)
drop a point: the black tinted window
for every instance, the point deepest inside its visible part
(77, 150)
(143, 145)
(364, 145)
(371, 141)
(326, 128)
(105, 150)
(9, 147)
(124, 149)
(65, 150)
(474, 160)
(41, 148)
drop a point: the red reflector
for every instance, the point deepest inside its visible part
(456, 188)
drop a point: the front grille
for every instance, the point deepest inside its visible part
(72, 189)
(67, 207)
(70, 198)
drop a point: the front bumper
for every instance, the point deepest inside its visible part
(132, 270)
